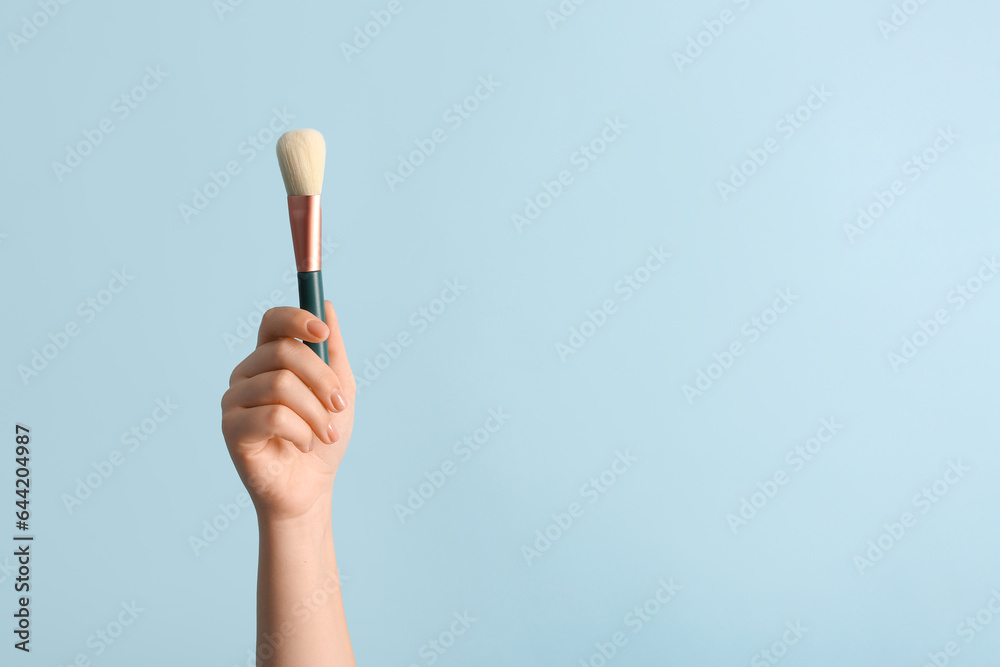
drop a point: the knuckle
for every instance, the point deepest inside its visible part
(230, 426)
(284, 350)
(283, 382)
(275, 416)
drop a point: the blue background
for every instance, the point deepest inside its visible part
(173, 332)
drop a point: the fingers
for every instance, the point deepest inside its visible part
(292, 355)
(263, 422)
(289, 322)
(335, 348)
(283, 387)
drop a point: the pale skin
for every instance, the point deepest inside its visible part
(277, 414)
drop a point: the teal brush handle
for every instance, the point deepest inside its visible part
(311, 299)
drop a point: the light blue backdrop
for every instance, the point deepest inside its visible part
(824, 489)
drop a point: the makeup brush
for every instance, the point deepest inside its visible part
(302, 158)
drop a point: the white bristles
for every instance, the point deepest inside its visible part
(302, 158)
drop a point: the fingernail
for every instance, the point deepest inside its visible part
(333, 433)
(316, 328)
(339, 403)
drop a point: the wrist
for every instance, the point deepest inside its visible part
(314, 522)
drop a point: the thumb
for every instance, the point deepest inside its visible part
(337, 353)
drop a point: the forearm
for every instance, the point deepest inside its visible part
(300, 613)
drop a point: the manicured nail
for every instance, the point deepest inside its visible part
(316, 328)
(333, 433)
(338, 400)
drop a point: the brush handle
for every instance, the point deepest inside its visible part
(311, 299)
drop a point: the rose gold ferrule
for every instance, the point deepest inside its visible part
(307, 223)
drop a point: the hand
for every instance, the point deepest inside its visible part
(281, 401)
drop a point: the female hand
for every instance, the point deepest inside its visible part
(279, 410)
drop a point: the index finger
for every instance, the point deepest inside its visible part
(290, 322)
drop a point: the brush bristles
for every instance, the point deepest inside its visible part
(302, 158)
